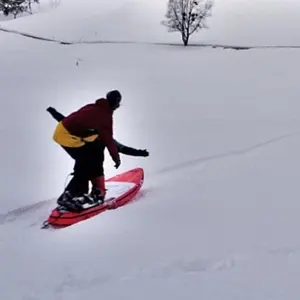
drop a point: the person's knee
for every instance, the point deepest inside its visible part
(96, 171)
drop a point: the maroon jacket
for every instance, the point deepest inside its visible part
(98, 116)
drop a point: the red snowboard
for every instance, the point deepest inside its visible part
(121, 189)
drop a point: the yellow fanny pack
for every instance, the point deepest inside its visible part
(63, 137)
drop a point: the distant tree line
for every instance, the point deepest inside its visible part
(16, 7)
(187, 16)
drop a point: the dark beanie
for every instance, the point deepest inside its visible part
(113, 97)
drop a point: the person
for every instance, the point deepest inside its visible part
(84, 135)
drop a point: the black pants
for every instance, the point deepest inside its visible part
(89, 161)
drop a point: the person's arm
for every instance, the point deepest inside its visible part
(55, 114)
(107, 137)
(130, 151)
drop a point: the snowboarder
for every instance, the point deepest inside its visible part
(84, 135)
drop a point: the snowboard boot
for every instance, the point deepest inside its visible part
(97, 194)
(66, 201)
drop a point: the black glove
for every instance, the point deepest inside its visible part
(144, 153)
(50, 109)
(55, 114)
(118, 163)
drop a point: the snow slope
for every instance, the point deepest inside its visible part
(218, 216)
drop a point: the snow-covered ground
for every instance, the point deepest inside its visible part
(218, 215)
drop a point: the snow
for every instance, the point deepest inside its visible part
(218, 215)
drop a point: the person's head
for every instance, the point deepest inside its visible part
(114, 98)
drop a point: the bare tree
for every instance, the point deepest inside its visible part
(55, 3)
(16, 7)
(187, 16)
(12, 7)
(29, 5)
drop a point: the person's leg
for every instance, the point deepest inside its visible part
(88, 166)
(79, 184)
(94, 168)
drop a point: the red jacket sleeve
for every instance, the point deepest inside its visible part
(102, 120)
(106, 135)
